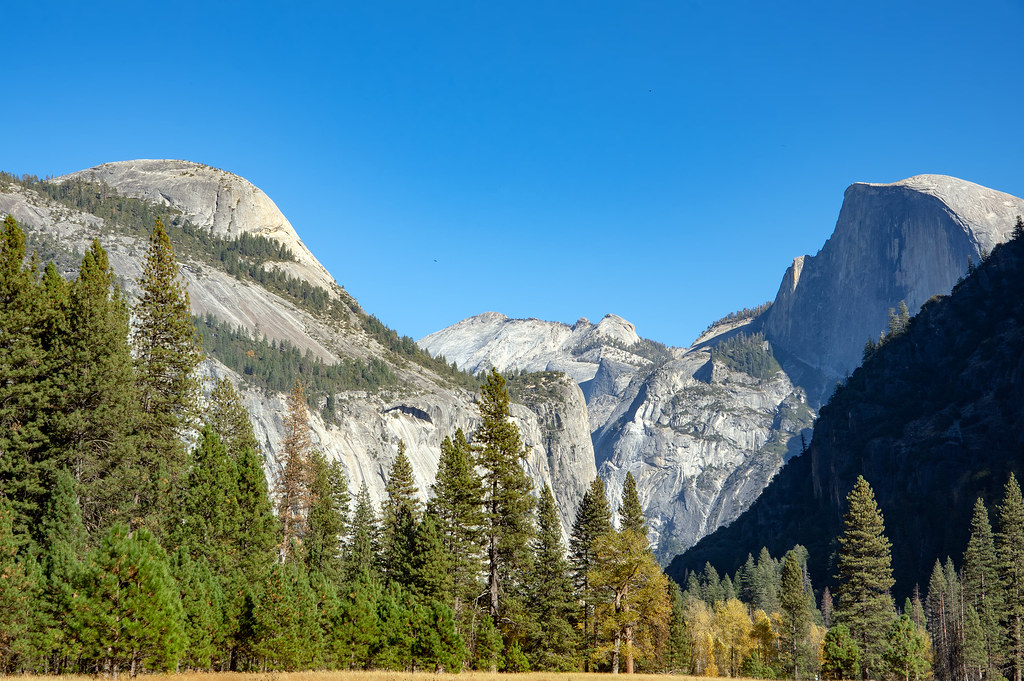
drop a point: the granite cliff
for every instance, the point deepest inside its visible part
(703, 438)
(421, 406)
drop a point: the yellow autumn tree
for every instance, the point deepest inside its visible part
(633, 597)
(700, 625)
(733, 640)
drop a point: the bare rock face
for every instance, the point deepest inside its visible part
(423, 410)
(213, 199)
(904, 241)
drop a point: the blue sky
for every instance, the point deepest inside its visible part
(663, 161)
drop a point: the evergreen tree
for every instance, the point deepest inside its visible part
(257, 528)
(96, 405)
(593, 519)
(507, 499)
(166, 357)
(677, 646)
(208, 514)
(328, 516)
(766, 582)
(26, 389)
(906, 655)
(550, 644)
(128, 615)
(229, 418)
(363, 555)
(429, 566)
(293, 487)
(63, 547)
(1010, 549)
(286, 628)
(400, 515)
(797, 619)
(457, 506)
(840, 657)
(981, 586)
(865, 576)
(18, 594)
(631, 514)
(358, 625)
(202, 610)
(943, 622)
(711, 585)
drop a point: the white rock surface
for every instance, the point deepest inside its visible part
(422, 411)
(213, 199)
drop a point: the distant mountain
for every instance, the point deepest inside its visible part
(268, 310)
(933, 420)
(702, 435)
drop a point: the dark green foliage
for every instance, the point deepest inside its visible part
(840, 656)
(906, 655)
(429, 568)
(202, 610)
(765, 584)
(274, 366)
(799, 655)
(487, 651)
(17, 594)
(1010, 549)
(550, 642)
(357, 627)
(457, 506)
(593, 520)
(944, 623)
(25, 390)
(286, 633)
(166, 357)
(740, 315)
(96, 409)
(865, 575)
(128, 615)
(399, 517)
(229, 419)
(751, 355)
(676, 657)
(207, 516)
(507, 500)
(711, 585)
(438, 647)
(364, 551)
(328, 517)
(631, 513)
(981, 587)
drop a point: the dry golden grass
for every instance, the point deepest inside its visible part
(376, 676)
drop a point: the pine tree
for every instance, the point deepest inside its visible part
(328, 516)
(364, 555)
(18, 594)
(840, 655)
(26, 389)
(942, 622)
(865, 576)
(550, 644)
(166, 357)
(711, 586)
(95, 378)
(256, 530)
(797, 619)
(766, 582)
(981, 586)
(593, 519)
(457, 505)
(202, 610)
(906, 655)
(507, 499)
(400, 515)
(293, 487)
(1010, 549)
(631, 513)
(286, 628)
(677, 646)
(207, 514)
(63, 548)
(128, 615)
(229, 418)
(430, 563)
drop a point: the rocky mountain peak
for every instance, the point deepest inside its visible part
(617, 329)
(212, 199)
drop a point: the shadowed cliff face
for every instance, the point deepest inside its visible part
(933, 420)
(905, 241)
(703, 441)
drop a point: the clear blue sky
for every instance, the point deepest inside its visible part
(663, 161)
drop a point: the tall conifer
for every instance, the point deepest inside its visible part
(167, 354)
(593, 520)
(631, 513)
(797, 619)
(981, 586)
(293, 487)
(507, 499)
(1010, 549)
(865, 576)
